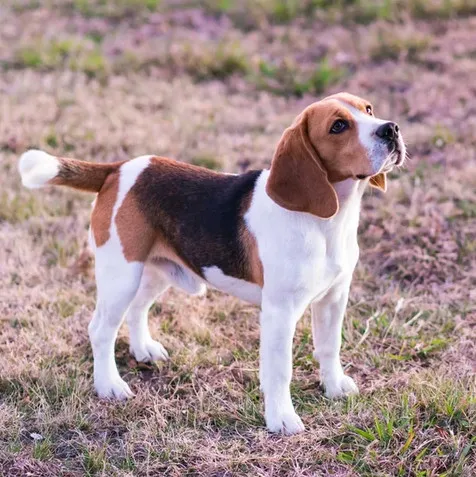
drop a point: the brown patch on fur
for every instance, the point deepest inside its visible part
(135, 233)
(255, 267)
(83, 175)
(102, 213)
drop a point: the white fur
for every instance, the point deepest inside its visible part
(37, 168)
(182, 277)
(247, 291)
(142, 346)
(130, 171)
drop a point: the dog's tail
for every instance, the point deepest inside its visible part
(38, 168)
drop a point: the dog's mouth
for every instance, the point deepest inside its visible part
(396, 156)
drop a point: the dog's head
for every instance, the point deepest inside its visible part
(332, 140)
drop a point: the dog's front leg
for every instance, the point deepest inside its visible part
(278, 323)
(327, 317)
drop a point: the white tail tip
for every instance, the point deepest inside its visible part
(37, 168)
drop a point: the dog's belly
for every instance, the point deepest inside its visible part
(247, 291)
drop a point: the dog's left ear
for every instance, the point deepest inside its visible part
(379, 181)
(298, 179)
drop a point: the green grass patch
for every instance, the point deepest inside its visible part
(75, 54)
(467, 208)
(388, 46)
(15, 208)
(114, 9)
(94, 461)
(94, 64)
(407, 430)
(287, 79)
(209, 162)
(203, 62)
(46, 55)
(42, 449)
(216, 63)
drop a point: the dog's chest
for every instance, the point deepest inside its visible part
(300, 253)
(325, 262)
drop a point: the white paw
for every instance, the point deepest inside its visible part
(340, 387)
(149, 351)
(287, 422)
(115, 388)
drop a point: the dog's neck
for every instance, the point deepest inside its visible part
(349, 192)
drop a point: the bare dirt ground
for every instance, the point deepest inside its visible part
(215, 83)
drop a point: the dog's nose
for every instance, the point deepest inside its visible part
(388, 131)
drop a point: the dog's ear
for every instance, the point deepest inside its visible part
(298, 180)
(379, 181)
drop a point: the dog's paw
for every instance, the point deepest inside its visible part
(149, 351)
(115, 388)
(341, 387)
(285, 422)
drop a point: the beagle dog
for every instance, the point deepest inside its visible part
(282, 238)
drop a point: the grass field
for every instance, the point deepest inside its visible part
(215, 83)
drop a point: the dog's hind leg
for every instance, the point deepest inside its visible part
(142, 346)
(117, 283)
(158, 276)
(121, 240)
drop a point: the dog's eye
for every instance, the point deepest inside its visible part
(369, 110)
(339, 126)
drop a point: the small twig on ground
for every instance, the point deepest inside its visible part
(367, 328)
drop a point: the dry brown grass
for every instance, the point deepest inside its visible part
(106, 80)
